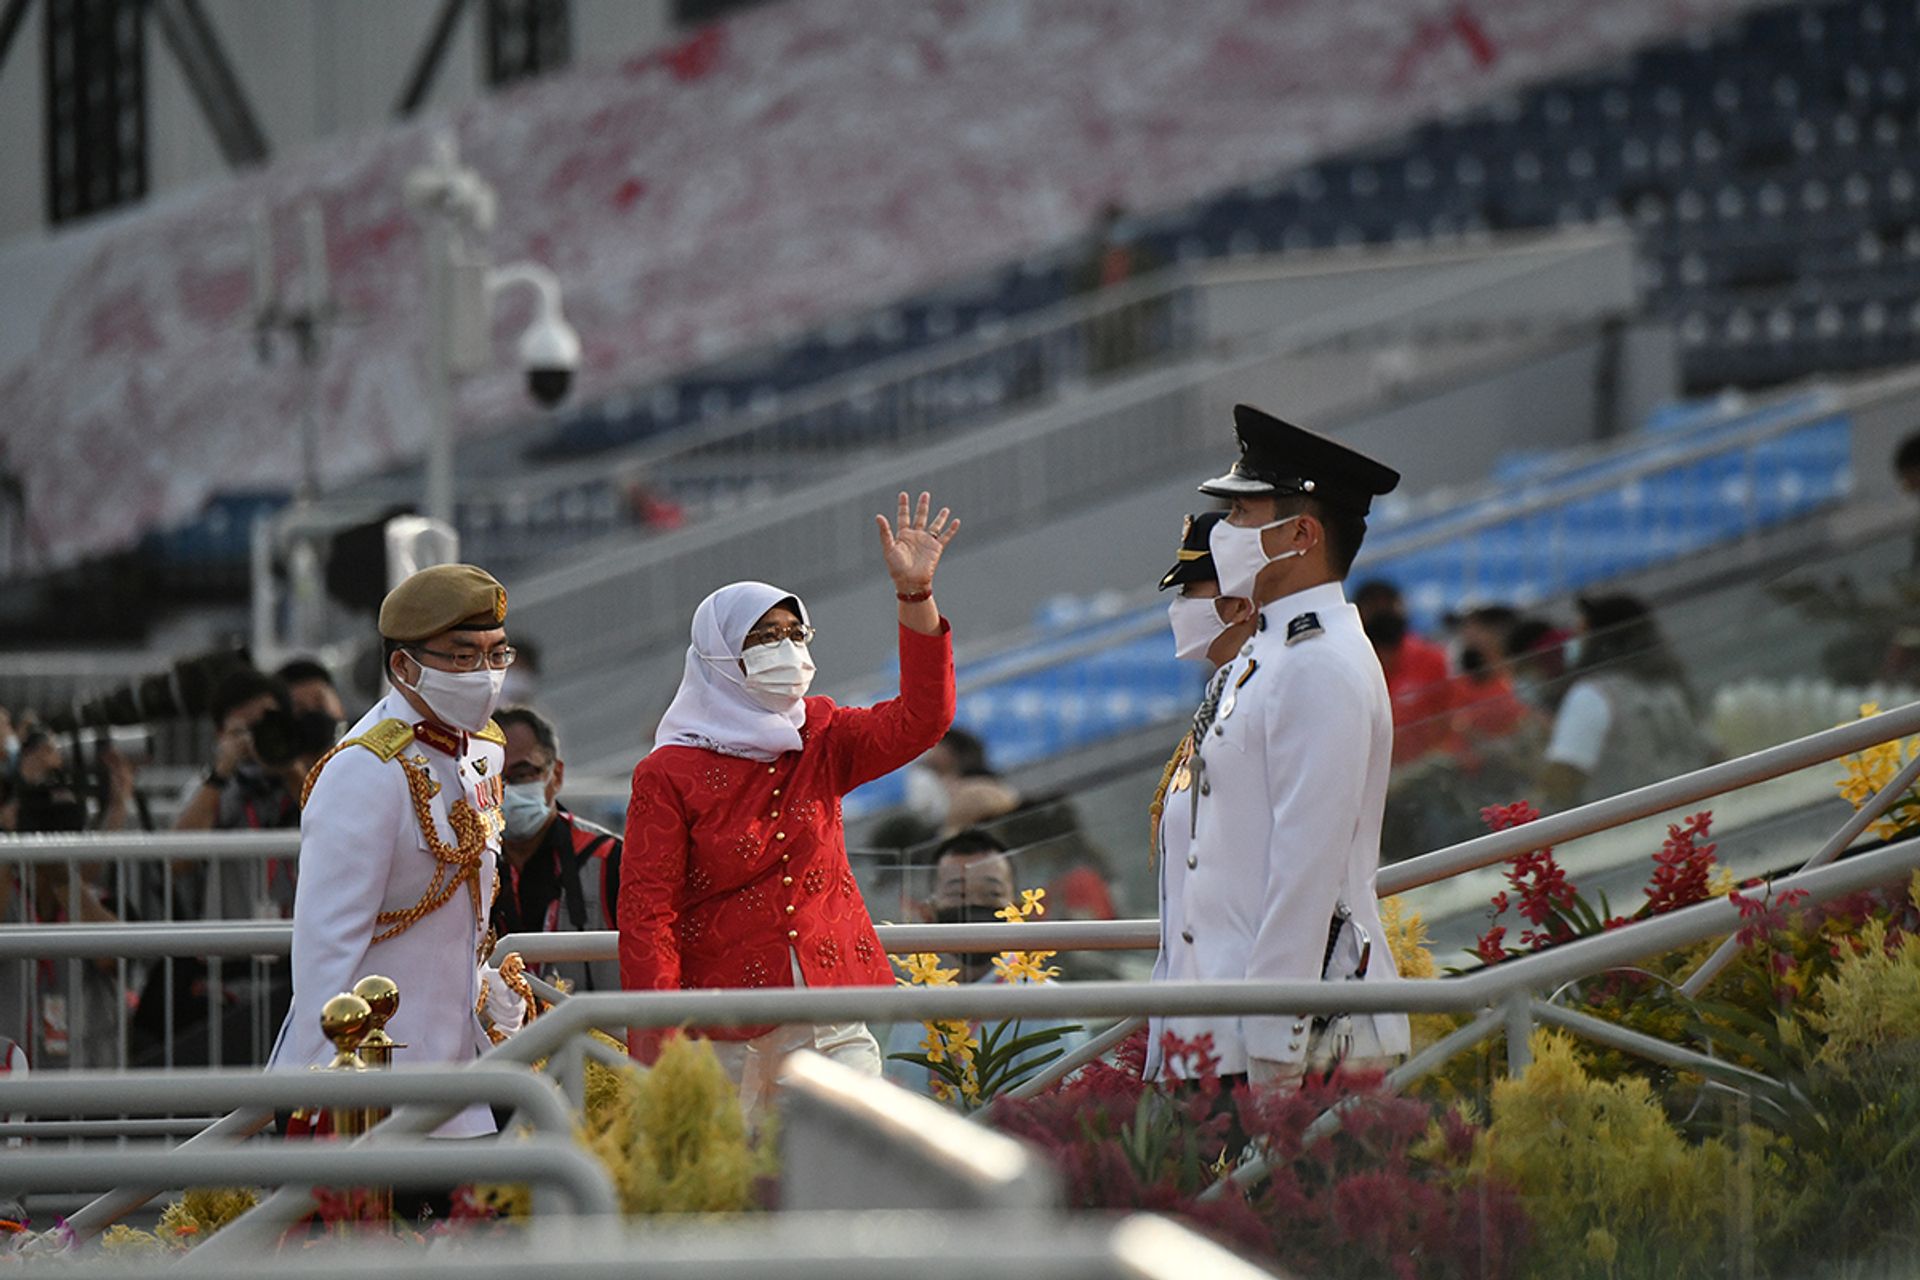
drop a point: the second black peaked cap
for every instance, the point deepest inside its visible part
(1195, 559)
(1277, 457)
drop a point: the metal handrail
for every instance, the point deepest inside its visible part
(275, 938)
(1244, 998)
(536, 1098)
(1658, 797)
(554, 1162)
(113, 846)
(868, 1244)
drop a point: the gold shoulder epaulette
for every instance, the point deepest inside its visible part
(386, 740)
(493, 733)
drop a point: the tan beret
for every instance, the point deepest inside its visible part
(445, 597)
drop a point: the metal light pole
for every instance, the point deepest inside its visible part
(455, 208)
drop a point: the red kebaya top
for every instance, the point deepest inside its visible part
(731, 864)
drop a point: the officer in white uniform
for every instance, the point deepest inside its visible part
(399, 832)
(1289, 775)
(1207, 627)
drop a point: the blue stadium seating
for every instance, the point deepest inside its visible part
(1588, 521)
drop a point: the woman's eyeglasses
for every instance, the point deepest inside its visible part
(494, 659)
(799, 633)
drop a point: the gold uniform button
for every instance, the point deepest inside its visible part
(793, 933)
(789, 908)
(769, 768)
(779, 835)
(786, 879)
(1192, 862)
(774, 813)
(776, 791)
(786, 857)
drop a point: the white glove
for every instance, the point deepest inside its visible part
(504, 1005)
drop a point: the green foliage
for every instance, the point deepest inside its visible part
(998, 1059)
(672, 1137)
(1611, 1186)
(201, 1211)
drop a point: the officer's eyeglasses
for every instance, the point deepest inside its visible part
(472, 660)
(799, 633)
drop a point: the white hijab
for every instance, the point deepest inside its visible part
(712, 711)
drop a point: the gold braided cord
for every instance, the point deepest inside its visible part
(1159, 805)
(455, 865)
(313, 774)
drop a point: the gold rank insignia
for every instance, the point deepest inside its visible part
(480, 765)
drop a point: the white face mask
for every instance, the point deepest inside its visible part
(778, 675)
(1196, 624)
(525, 808)
(1238, 555)
(459, 699)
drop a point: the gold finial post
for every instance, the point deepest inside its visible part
(345, 1020)
(382, 995)
(348, 1020)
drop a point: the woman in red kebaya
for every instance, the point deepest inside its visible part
(735, 872)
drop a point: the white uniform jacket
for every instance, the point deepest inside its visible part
(1292, 783)
(1173, 844)
(362, 852)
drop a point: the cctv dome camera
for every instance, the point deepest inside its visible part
(550, 354)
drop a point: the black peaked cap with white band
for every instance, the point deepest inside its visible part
(1278, 458)
(1195, 561)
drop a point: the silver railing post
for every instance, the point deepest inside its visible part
(1516, 1011)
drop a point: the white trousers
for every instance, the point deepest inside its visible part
(754, 1065)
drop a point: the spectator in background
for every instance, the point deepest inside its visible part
(62, 1025)
(972, 883)
(239, 701)
(952, 786)
(1628, 718)
(561, 873)
(1485, 706)
(1418, 682)
(1536, 657)
(50, 796)
(310, 688)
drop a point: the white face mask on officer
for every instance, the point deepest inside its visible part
(1196, 624)
(778, 675)
(525, 808)
(1239, 555)
(460, 699)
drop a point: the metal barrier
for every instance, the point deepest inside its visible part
(867, 1245)
(1506, 996)
(254, 940)
(846, 1145)
(548, 1161)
